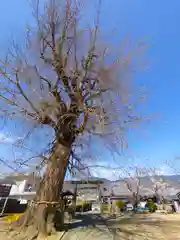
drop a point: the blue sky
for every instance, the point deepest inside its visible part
(157, 23)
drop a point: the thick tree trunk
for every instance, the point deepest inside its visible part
(43, 211)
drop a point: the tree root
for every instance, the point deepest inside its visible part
(24, 234)
(38, 222)
(34, 236)
(28, 229)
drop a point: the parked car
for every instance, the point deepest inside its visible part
(129, 207)
(142, 210)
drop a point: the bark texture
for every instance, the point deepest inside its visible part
(41, 213)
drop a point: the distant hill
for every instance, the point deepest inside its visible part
(147, 185)
(119, 187)
(100, 179)
(174, 179)
(94, 179)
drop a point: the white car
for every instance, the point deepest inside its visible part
(129, 207)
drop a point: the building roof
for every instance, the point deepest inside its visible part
(84, 182)
(7, 181)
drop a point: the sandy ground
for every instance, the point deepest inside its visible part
(138, 227)
(151, 226)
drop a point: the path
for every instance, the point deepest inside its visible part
(88, 227)
(92, 226)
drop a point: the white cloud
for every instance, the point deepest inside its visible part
(107, 173)
(112, 172)
(4, 138)
(165, 170)
(115, 173)
(98, 171)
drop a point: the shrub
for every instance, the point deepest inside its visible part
(105, 207)
(85, 206)
(152, 206)
(78, 207)
(120, 204)
(14, 218)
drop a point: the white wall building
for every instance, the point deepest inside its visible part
(22, 190)
(23, 187)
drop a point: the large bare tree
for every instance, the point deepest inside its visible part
(133, 181)
(66, 78)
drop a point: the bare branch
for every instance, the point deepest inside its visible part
(65, 80)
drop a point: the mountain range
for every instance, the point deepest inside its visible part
(166, 185)
(174, 179)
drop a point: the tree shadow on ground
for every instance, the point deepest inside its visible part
(86, 221)
(101, 225)
(117, 228)
(140, 227)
